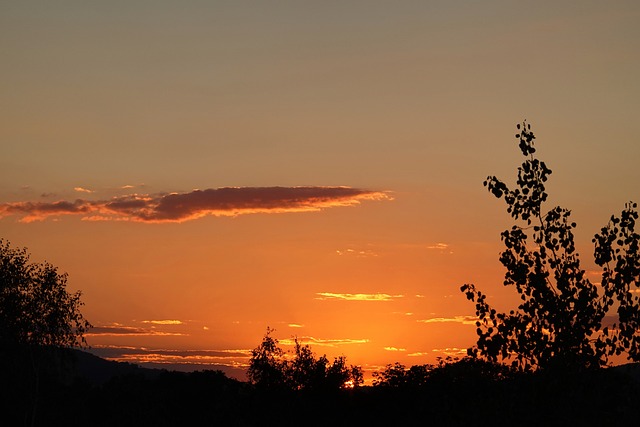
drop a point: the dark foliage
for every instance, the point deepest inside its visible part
(35, 307)
(271, 368)
(38, 319)
(455, 393)
(448, 369)
(559, 324)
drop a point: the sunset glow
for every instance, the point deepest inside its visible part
(205, 170)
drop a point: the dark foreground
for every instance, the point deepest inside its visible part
(99, 393)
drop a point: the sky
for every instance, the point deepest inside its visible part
(204, 170)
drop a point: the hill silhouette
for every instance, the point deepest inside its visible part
(97, 370)
(98, 392)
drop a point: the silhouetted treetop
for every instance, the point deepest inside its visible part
(35, 307)
(559, 323)
(272, 368)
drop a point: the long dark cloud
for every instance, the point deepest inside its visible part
(180, 207)
(116, 330)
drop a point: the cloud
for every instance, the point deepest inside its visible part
(163, 322)
(119, 351)
(465, 320)
(295, 325)
(323, 342)
(395, 349)
(356, 297)
(357, 253)
(451, 351)
(440, 246)
(117, 329)
(180, 207)
(82, 190)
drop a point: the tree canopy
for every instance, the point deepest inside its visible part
(563, 319)
(271, 368)
(35, 307)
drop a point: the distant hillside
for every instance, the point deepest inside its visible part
(97, 392)
(230, 371)
(98, 370)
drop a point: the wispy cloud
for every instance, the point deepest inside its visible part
(357, 253)
(180, 207)
(465, 320)
(113, 351)
(440, 246)
(323, 342)
(164, 322)
(295, 325)
(395, 349)
(356, 297)
(82, 190)
(117, 329)
(451, 351)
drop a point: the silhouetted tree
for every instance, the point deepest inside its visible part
(271, 368)
(448, 370)
(398, 375)
(38, 317)
(267, 365)
(560, 320)
(35, 307)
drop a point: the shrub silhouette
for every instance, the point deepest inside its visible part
(560, 322)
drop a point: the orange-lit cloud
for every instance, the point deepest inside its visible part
(164, 322)
(82, 190)
(357, 253)
(110, 351)
(441, 246)
(450, 351)
(395, 349)
(356, 297)
(117, 329)
(180, 207)
(323, 342)
(465, 320)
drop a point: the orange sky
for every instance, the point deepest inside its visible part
(203, 170)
